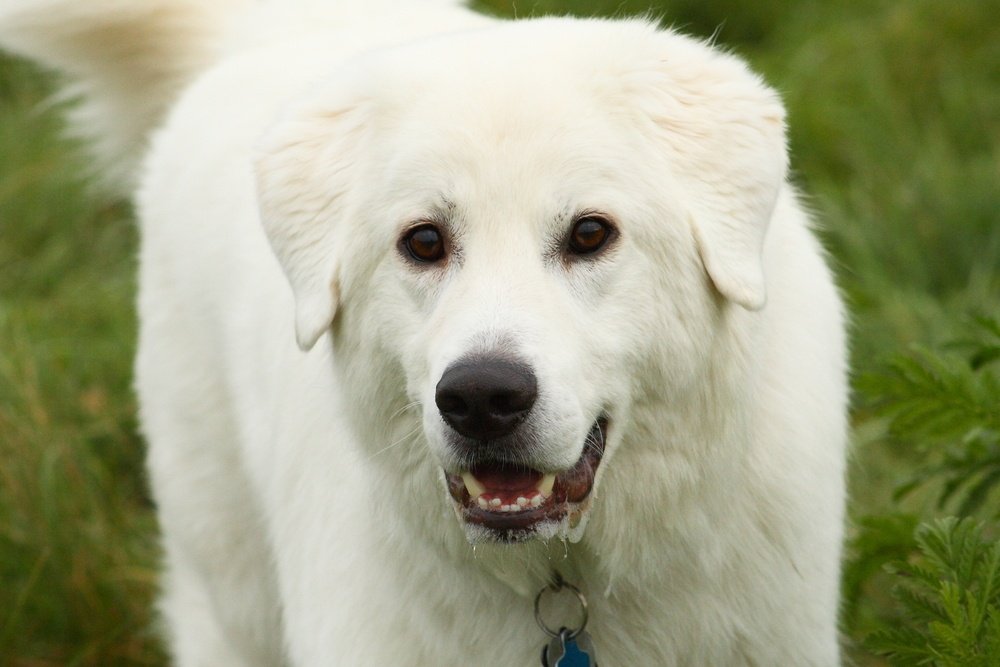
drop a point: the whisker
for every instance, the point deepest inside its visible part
(403, 409)
(398, 442)
(595, 442)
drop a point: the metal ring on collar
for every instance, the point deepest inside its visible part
(557, 585)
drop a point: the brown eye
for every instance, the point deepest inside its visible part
(425, 244)
(589, 235)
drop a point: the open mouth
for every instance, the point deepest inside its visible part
(514, 501)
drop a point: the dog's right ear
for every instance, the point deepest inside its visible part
(305, 171)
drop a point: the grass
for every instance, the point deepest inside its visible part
(895, 128)
(77, 546)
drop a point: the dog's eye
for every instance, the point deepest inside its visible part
(589, 234)
(425, 243)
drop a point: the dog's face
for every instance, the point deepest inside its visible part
(530, 230)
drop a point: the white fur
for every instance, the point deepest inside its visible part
(301, 496)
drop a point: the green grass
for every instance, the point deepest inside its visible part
(894, 111)
(77, 545)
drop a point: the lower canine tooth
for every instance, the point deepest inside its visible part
(545, 486)
(472, 485)
(537, 500)
(482, 502)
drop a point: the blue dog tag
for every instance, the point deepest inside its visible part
(564, 651)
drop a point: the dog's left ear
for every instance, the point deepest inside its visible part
(726, 133)
(305, 170)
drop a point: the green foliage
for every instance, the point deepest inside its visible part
(949, 595)
(944, 575)
(947, 407)
(879, 539)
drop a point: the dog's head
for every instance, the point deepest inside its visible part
(527, 232)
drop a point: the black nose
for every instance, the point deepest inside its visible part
(486, 398)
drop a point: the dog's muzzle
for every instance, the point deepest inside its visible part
(486, 401)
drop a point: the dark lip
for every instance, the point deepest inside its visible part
(516, 526)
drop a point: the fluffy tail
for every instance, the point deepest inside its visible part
(125, 60)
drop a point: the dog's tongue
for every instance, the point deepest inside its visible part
(497, 478)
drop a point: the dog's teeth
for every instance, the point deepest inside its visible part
(517, 505)
(472, 485)
(545, 486)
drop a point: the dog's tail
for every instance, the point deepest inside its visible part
(126, 60)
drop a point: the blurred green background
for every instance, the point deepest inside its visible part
(894, 113)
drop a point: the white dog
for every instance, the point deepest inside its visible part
(565, 316)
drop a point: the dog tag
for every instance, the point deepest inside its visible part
(564, 651)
